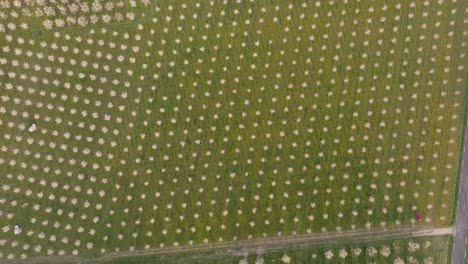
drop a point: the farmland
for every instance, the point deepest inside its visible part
(417, 250)
(420, 250)
(177, 123)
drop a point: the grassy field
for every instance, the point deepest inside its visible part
(184, 122)
(417, 250)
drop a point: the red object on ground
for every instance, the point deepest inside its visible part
(418, 216)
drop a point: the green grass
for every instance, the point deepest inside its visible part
(379, 140)
(462, 143)
(435, 248)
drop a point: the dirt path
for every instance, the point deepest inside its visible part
(271, 244)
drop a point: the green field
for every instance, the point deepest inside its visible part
(416, 250)
(168, 123)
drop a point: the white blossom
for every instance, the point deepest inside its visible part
(342, 253)
(286, 259)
